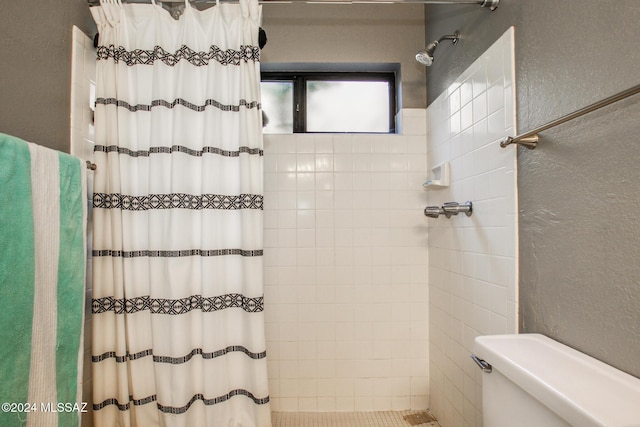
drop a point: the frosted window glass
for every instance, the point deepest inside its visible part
(277, 104)
(347, 106)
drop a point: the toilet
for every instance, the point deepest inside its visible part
(531, 380)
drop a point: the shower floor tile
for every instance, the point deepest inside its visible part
(351, 419)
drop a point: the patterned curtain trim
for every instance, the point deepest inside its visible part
(178, 149)
(178, 360)
(176, 201)
(246, 53)
(181, 409)
(178, 101)
(176, 306)
(176, 253)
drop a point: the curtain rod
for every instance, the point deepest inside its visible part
(491, 4)
(530, 139)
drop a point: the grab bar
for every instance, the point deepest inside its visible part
(530, 139)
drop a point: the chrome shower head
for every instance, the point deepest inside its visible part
(425, 56)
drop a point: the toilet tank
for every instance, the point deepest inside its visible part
(538, 382)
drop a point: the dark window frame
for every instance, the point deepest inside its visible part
(300, 79)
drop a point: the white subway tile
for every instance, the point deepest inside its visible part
(361, 144)
(480, 134)
(343, 181)
(286, 163)
(305, 200)
(324, 200)
(380, 162)
(323, 181)
(305, 143)
(285, 143)
(342, 144)
(495, 97)
(479, 78)
(305, 162)
(324, 218)
(270, 163)
(496, 125)
(454, 101)
(306, 238)
(325, 256)
(399, 144)
(455, 124)
(466, 117)
(414, 125)
(380, 145)
(398, 163)
(324, 238)
(305, 181)
(416, 144)
(305, 219)
(324, 163)
(286, 181)
(343, 162)
(362, 162)
(466, 92)
(362, 182)
(323, 143)
(306, 257)
(380, 183)
(479, 107)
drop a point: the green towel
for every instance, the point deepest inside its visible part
(42, 280)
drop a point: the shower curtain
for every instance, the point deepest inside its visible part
(178, 324)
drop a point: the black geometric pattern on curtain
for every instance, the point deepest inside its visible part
(148, 57)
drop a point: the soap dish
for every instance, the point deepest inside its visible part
(439, 177)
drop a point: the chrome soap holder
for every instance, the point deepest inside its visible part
(448, 209)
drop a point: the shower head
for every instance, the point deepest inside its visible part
(425, 56)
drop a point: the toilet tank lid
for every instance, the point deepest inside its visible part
(577, 387)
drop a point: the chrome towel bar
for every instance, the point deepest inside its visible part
(530, 139)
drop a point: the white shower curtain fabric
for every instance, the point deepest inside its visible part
(178, 322)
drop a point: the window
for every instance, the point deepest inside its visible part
(329, 102)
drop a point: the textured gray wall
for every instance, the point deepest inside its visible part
(578, 191)
(351, 34)
(35, 65)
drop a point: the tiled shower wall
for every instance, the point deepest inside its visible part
(346, 294)
(472, 260)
